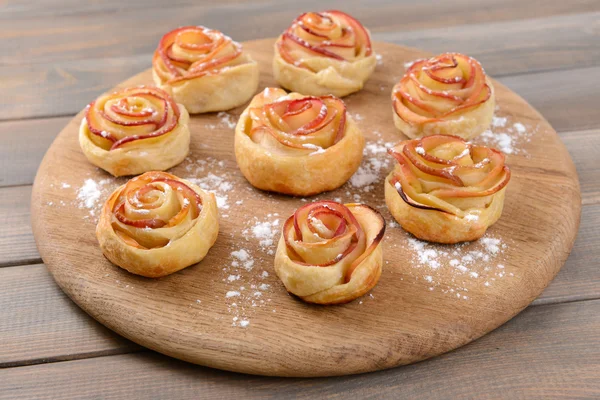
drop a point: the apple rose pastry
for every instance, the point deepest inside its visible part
(157, 224)
(445, 95)
(330, 253)
(204, 70)
(296, 144)
(324, 53)
(444, 189)
(135, 130)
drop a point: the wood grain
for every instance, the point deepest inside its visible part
(41, 324)
(16, 238)
(24, 143)
(399, 328)
(22, 146)
(567, 98)
(63, 87)
(579, 279)
(584, 147)
(516, 46)
(27, 293)
(77, 33)
(544, 353)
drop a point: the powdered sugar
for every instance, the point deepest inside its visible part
(506, 137)
(217, 185)
(499, 122)
(475, 260)
(375, 160)
(227, 119)
(247, 290)
(91, 193)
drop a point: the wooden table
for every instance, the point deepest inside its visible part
(57, 55)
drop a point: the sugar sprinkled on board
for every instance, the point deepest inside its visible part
(375, 160)
(499, 122)
(217, 185)
(227, 119)
(476, 260)
(505, 136)
(264, 232)
(92, 192)
(379, 59)
(247, 289)
(89, 193)
(357, 117)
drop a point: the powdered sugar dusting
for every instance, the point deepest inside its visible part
(505, 136)
(227, 119)
(479, 260)
(92, 194)
(247, 287)
(217, 184)
(375, 161)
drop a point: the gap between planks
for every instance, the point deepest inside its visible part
(491, 365)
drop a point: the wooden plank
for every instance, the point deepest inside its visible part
(65, 87)
(92, 31)
(22, 146)
(27, 293)
(514, 47)
(546, 352)
(17, 245)
(584, 147)
(62, 88)
(41, 324)
(24, 143)
(568, 99)
(579, 278)
(495, 10)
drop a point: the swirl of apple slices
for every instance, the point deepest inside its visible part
(157, 224)
(449, 94)
(444, 189)
(204, 70)
(296, 144)
(324, 53)
(135, 130)
(330, 253)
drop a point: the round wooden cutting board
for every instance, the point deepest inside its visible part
(231, 312)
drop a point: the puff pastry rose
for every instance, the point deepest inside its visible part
(296, 144)
(444, 189)
(135, 130)
(330, 253)
(447, 95)
(157, 224)
(204, 70)
(324, 53)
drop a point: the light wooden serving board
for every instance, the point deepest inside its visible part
(428, 301)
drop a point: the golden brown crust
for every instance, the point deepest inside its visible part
(155, 251)
(441, 227)
(339, 78)
(331, 278)
(423, 106)
(98, 136)
(300, 172)
(444, 189)
(324, 53)
(204, 70)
